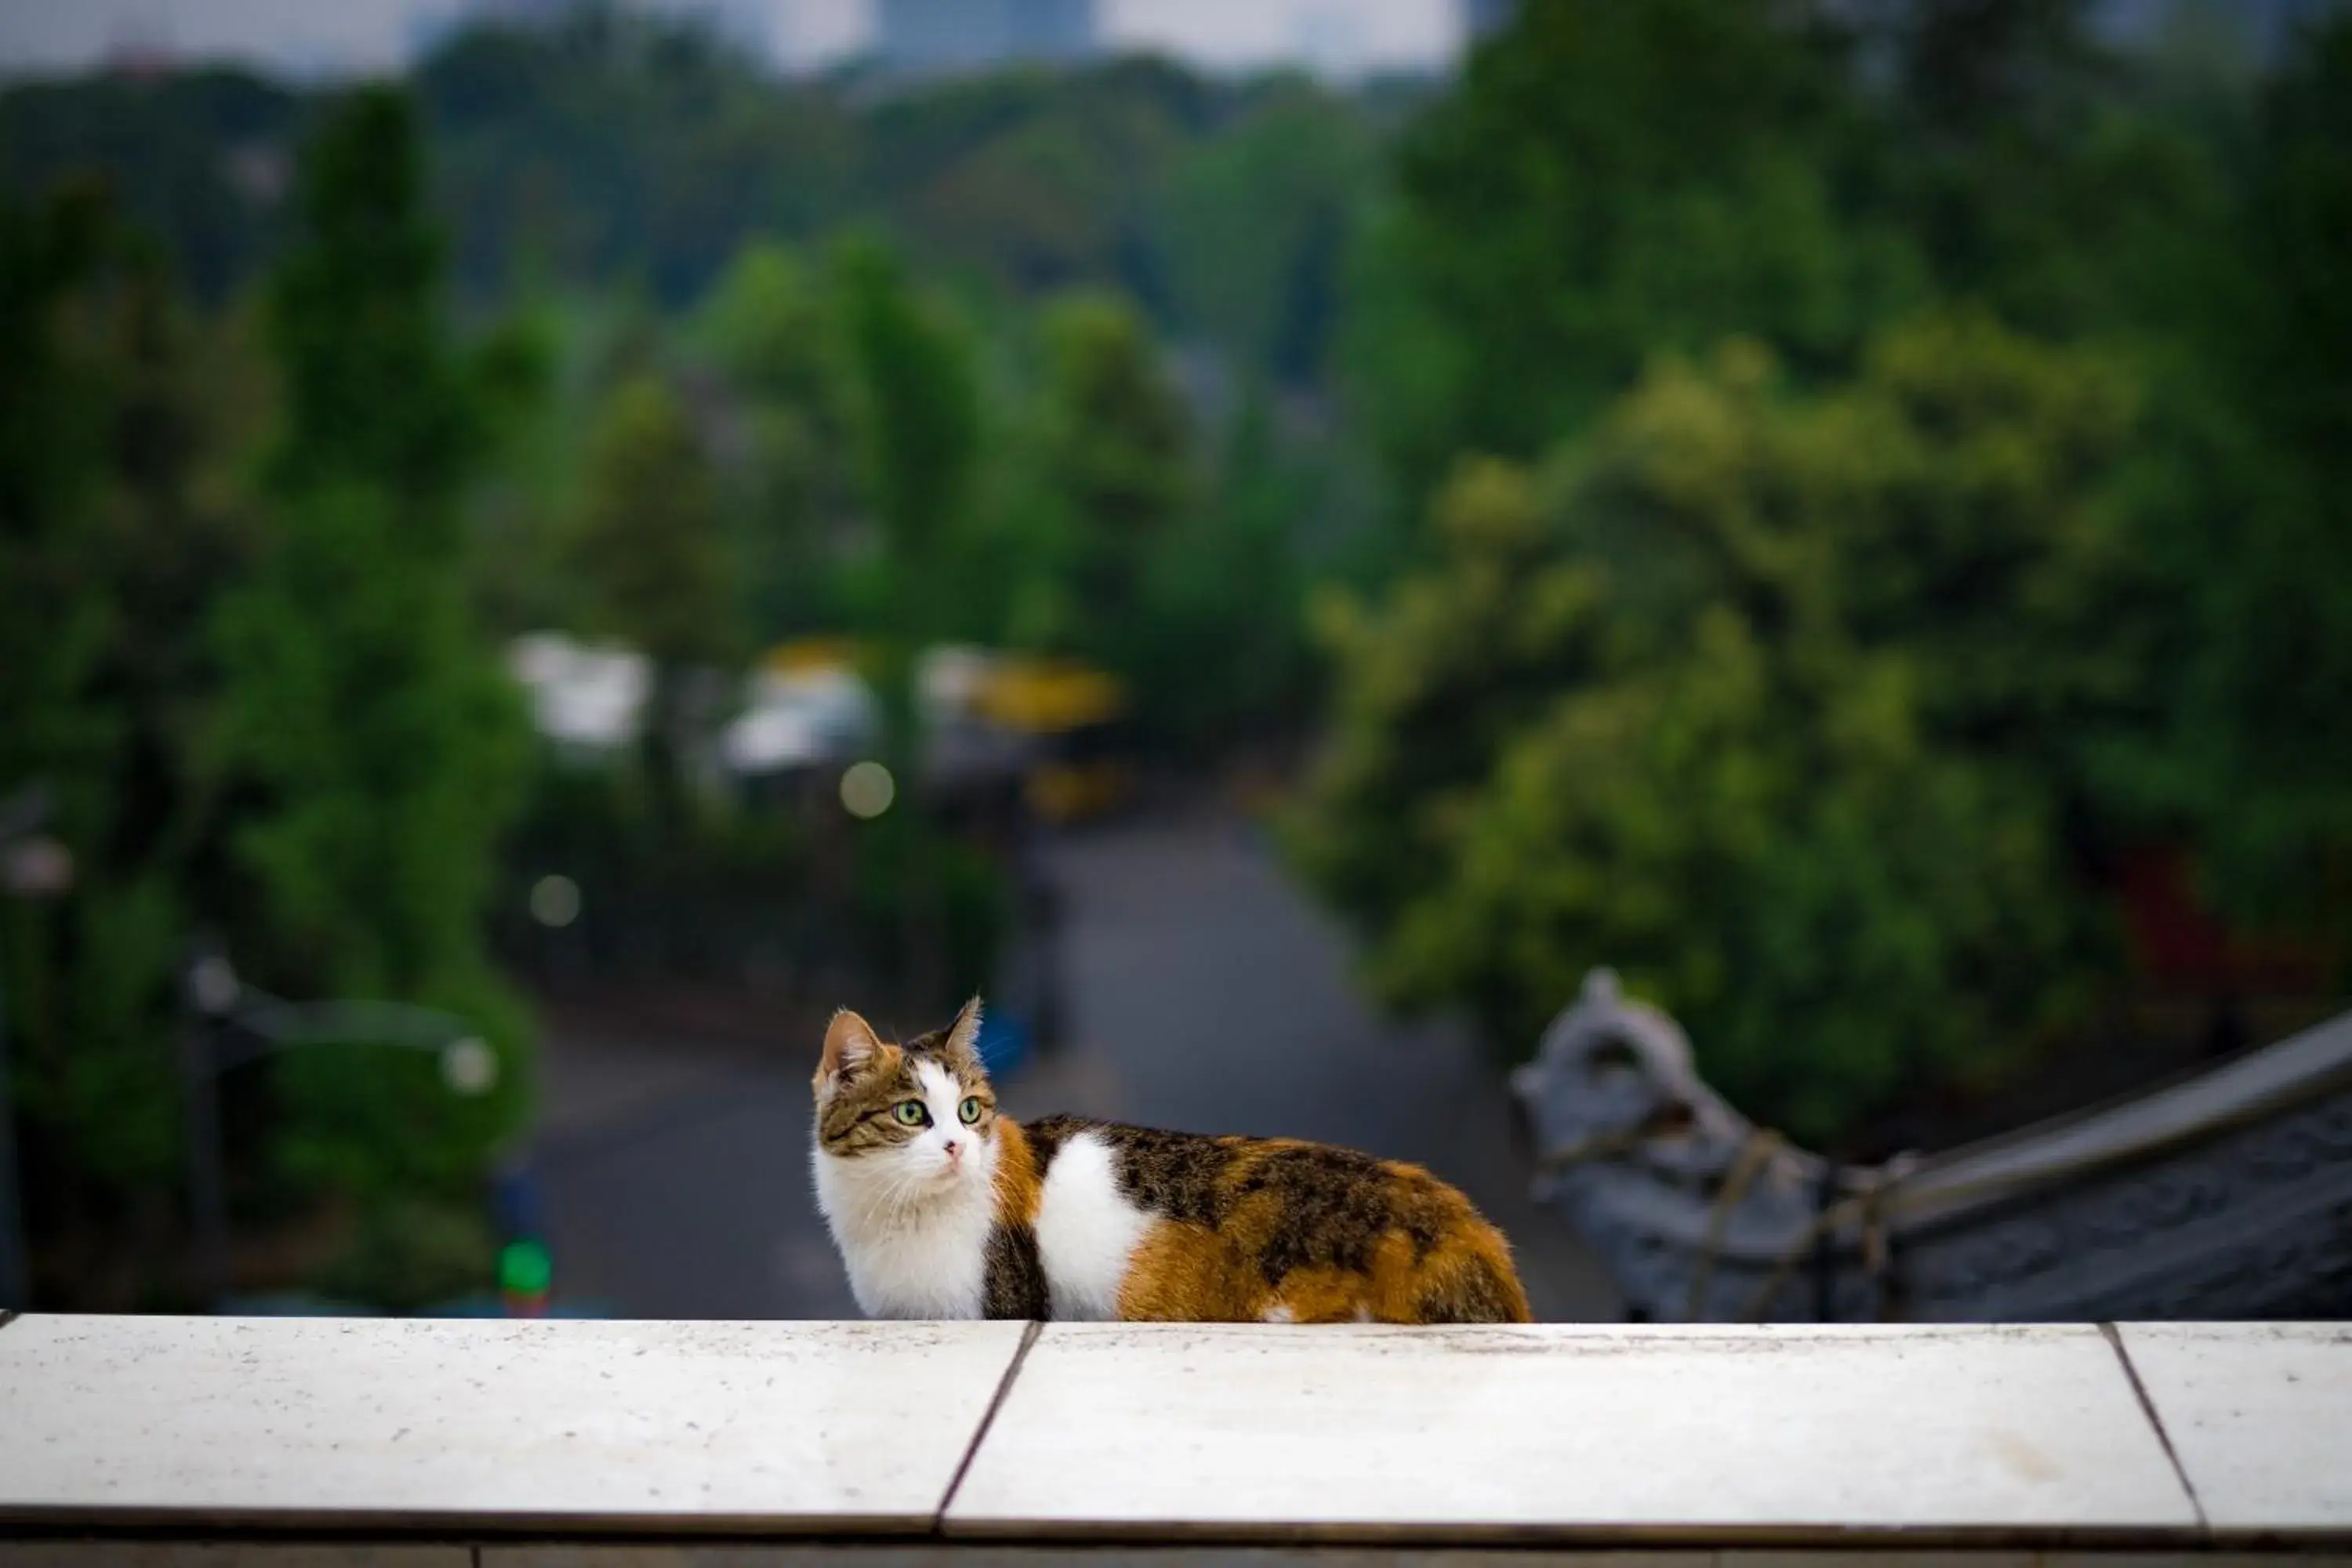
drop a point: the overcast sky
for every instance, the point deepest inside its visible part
(371, 35)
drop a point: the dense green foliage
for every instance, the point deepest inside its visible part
(1898, 531)
(380, 743)
(1612, 182)
(249, 673)
(199, 159)
(2250, 519)
(1777, 702)
(1107, 481)
(655, 567)
(650, 538)
(767, 327)
(115, 532)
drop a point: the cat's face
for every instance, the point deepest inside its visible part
(919, 1118)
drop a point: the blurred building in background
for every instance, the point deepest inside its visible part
(1330, 40)
(928, 38)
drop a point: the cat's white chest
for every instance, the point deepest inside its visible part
(933, 1264)
(938, 1271)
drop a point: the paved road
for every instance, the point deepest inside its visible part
(1203, 993)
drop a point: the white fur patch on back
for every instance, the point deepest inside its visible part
(1086, 1231)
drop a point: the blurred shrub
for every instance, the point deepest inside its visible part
(2244, 517)
(409, 1253)
(1608, 182)
(768, 327)
(1220, 652)
(1774, 703)
(119, 416)
(377, 1121)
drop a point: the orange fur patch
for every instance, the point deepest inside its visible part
(1018, 1189)
(1190, 1272)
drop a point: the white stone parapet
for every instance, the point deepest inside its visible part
(498, 1443)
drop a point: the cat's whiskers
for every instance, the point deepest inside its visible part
(901, 1193)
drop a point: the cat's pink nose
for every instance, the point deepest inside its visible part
(955, 1154)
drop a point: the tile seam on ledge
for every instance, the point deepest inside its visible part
(1029, 1337)
(2139, 1390)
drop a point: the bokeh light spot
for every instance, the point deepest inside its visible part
(868, 789)
(469, 1067)
(555, 901)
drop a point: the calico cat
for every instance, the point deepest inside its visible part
(943, 1208)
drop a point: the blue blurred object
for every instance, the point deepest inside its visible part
(515, 1206)
(1004, 1042)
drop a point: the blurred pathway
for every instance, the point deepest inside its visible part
(1204, 992)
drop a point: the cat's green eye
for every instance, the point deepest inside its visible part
(968, 1109)
(913, 1113)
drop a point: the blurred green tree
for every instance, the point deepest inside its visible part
(114, 529)
(2041, 174)
(916, 402)
(1609, 183)
(2246, 521)
(768, 327)
(194, 158)
(916, 410)
(1113, 476)
(515, 517)
(378, 747)
(1776, 703)
(652, 551)
(1258, 222)
(1221, 654)
(1967, 64)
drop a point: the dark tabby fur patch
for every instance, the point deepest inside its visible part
(1015, 1278)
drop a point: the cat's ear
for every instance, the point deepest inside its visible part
(963, 1035)
(849, 1043)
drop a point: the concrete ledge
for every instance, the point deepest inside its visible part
(1556, 1433)
(164, 1443)
(555, 1427)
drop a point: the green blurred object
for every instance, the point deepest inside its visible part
(525, 1269)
